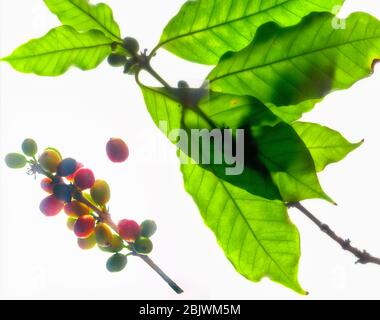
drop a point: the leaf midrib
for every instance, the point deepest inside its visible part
(256, 67)
(10, 58)
(94, 19)
(252, 231)
(221, 24)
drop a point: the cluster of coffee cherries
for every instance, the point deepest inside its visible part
(126, 55)
(73, 188)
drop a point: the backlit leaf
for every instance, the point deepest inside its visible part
(83, 16)
(204, 30)
(58, 50)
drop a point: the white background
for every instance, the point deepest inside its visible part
(80, 111)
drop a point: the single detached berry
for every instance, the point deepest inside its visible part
(84, 226)
(116, 263)
(63, 192)
(117, 244)
(143, 245)
(49, 160)
(131, 45)
(100, 192)
(84, 178)
(67, 167)
(129, 230)
(15, 160)
(29, 147)
(148, 228)
(117, 150)
(71, 176)
(51, 206)
(116, 60)
(87, 243)
(103, 235)
(76, 209)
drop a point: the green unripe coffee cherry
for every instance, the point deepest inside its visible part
(116, 263)
(143, 245)
(131, 45)
(100, 192)
(148, 228)
(15, 160)
(116, 60)
(117, 244)
(29, 147)
(103, 235)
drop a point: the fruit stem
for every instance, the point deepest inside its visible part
(162, 274)
(106, 217)
(144, 62)
(363, 256)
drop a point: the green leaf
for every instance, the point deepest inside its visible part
(83, 16)
(292, 113)
(255, 233)
(251, 226)
(58, 50)
(286, 66)
(289, 162)
(204, 30)
(275, 143)
(325, 145)
(163, 107)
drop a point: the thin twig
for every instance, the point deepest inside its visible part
(363, 256)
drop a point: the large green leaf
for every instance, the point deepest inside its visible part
(273, 143)
(83, 16)
(289, 162)
(61, 48)
(285, 66)
(325, 145)
(251, 226)
(204, 30)
(255, 233)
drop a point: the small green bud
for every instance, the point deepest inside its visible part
(29, 147)
(116, 60)
(183, 85)
(15, 160)
(131, 45)
(131, 68)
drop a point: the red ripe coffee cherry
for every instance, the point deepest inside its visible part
(84, 226)
(71, 176)
(117, 150)
(67, 167)
(51, 206)
(129, 230)
(84, 178)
